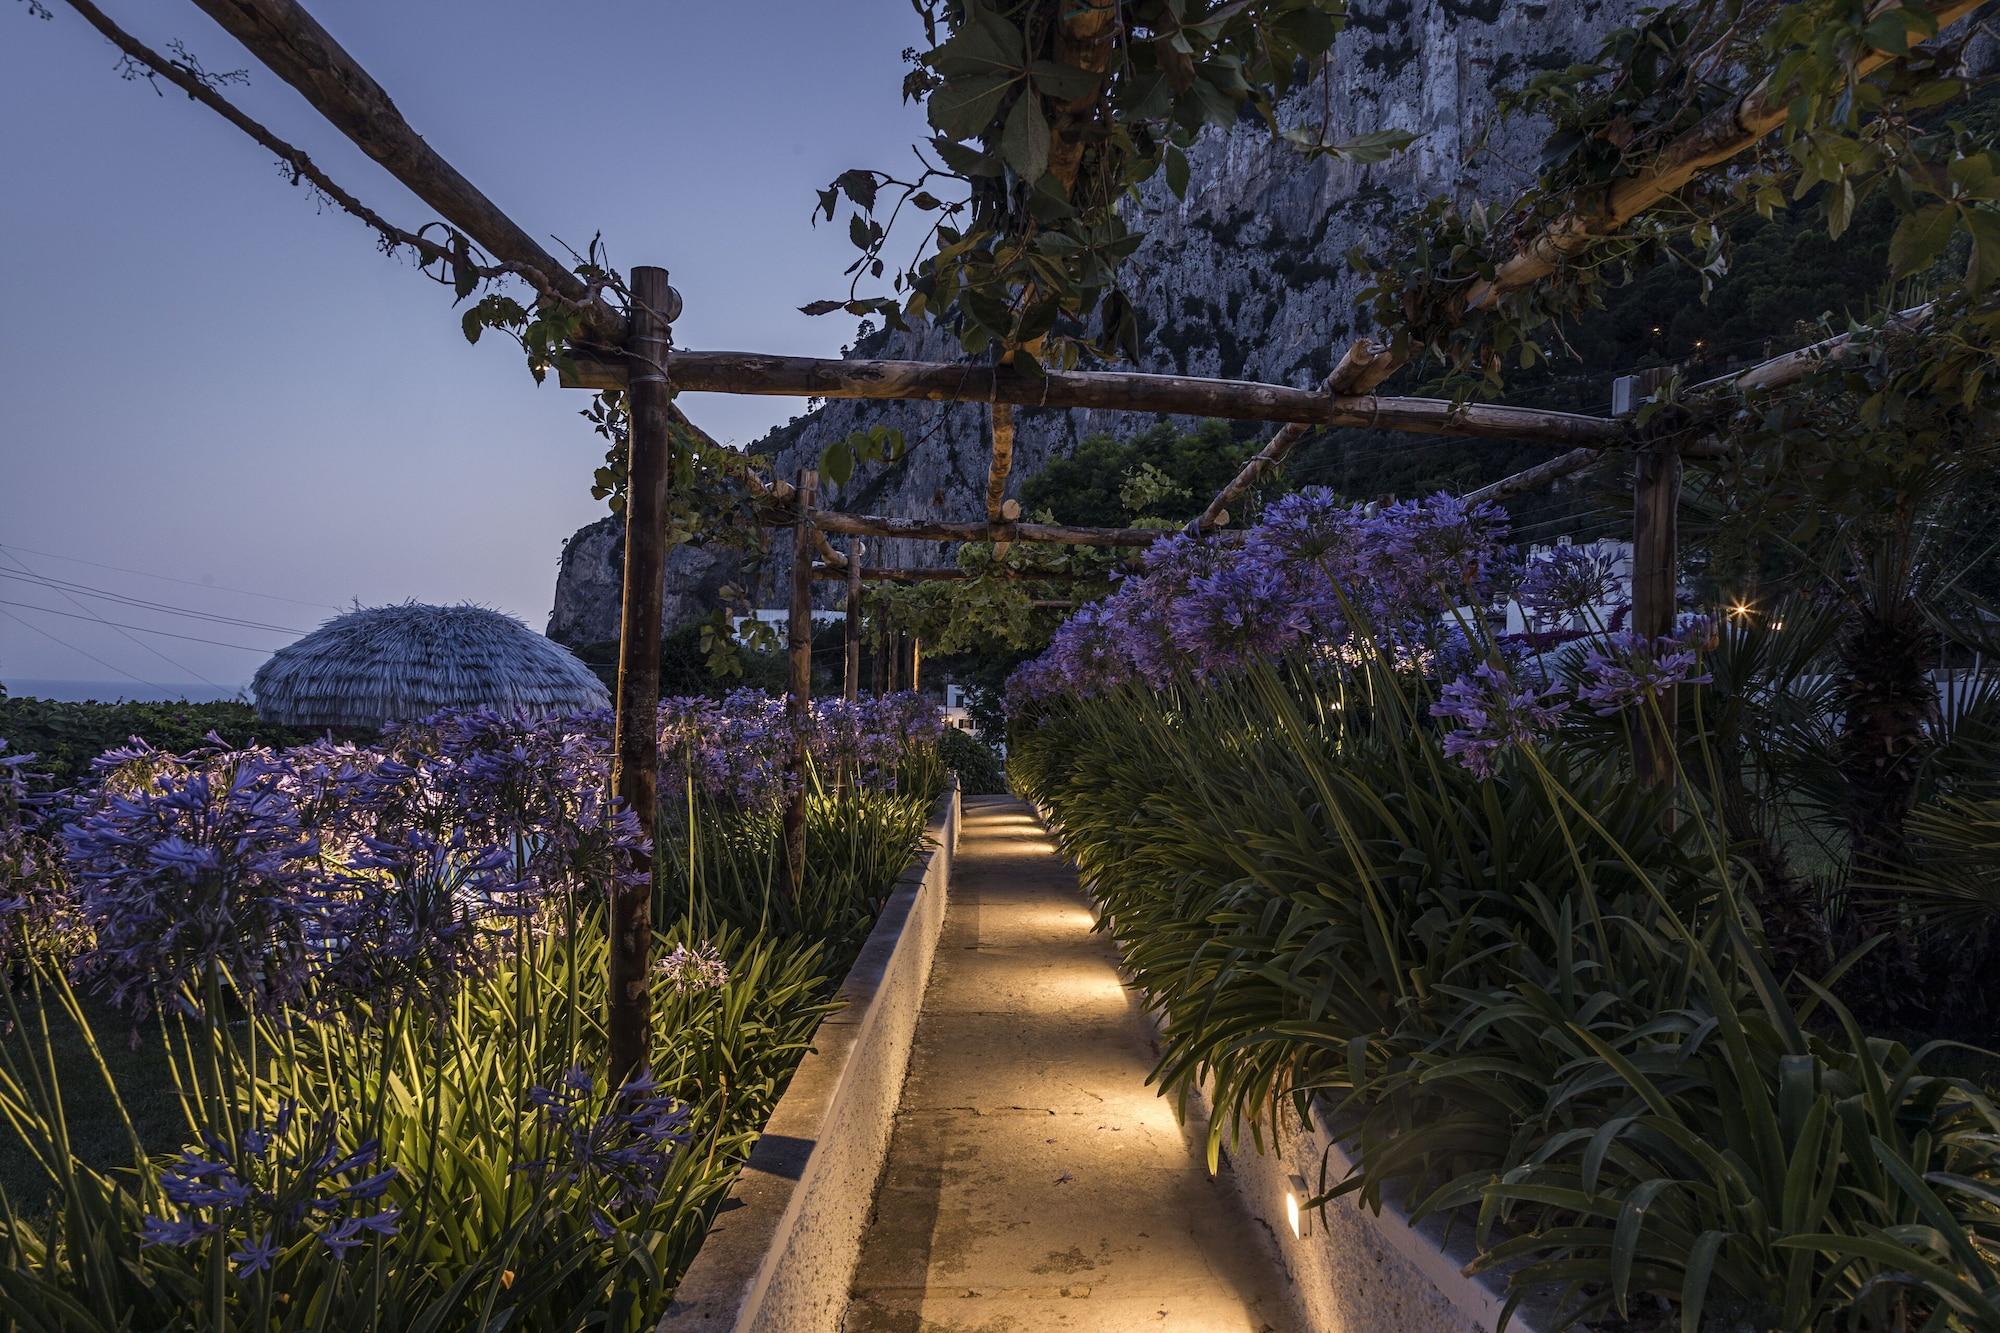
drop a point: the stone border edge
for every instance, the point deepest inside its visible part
(781, 1253)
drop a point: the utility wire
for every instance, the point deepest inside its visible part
(65, 587)
(84, 653)
(15, 560)
(168, 578)
(143, 629)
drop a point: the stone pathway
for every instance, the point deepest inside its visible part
(1034, 1180)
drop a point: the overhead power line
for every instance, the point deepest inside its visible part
(84, 652)
(168, 578)
(143, 629)
(144, 604)
(127, 635)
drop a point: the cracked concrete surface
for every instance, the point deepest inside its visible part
(1034, 1180)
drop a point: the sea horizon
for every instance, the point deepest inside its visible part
(114, 691)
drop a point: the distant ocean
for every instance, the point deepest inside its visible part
(114, 691)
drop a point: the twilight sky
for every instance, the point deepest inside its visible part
(204, 379)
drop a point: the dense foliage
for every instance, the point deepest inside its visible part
(1406, 869)
(66, 737)
(977, 764)
(374, 978)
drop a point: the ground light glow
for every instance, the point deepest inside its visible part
(1295, 1213)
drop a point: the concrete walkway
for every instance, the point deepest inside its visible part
(1034, 1180)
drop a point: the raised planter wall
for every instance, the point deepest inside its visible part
(782, 1252)
(1353, 1268)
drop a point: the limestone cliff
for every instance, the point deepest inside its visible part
(1246, 276)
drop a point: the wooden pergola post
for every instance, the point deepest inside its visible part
(798, 697)
(851, 681)
(882, 650)
(635, 733)
(1656, 494)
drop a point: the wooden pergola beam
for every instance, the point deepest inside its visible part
(1721, 135)
(1362, 367)
(949, 574)
(1793, 366)
(1536, 477)
(939, 530)
(1122, 391)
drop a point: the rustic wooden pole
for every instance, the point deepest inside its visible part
(939, 530)
(947, 574)
(881, 674)
(852, 680)
(1538, 476)
(1716, 138)
(635, 734)
(1111, 390)
(1656, 491)
(1362, 366)
(916, 660)
(798, 697)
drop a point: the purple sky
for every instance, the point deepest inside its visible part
(205, 379)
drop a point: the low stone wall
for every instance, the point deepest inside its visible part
(1352, 1268)
(782, 1252)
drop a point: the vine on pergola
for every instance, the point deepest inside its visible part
(1046, 116)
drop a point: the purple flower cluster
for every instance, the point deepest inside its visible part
(1493, 713)
(693, 971)
(337, 872)
(1404, 585)
(1312, 575)
(330, 873)
(1568, 581)
(207, 865)
(35, 915)
(614, 1149)
(1625, 670)
(270, 1185)
(737, 751)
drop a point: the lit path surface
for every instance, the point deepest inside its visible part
(1034, 1180)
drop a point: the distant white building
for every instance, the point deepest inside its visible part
(956, 715)
(781, 618)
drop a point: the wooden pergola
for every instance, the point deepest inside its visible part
(633, 351)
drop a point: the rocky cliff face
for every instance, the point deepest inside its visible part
(591, 583)
(1246, 276)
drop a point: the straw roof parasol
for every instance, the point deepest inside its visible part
(394, 663)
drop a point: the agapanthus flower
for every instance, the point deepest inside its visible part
(1569, 580)
(1493, 714)
(693, 971)
(37, 914)
(208, 870)
(1627, 670)
(614, 1149)
(270, 1185)
(1336, 582)
(1242, 613)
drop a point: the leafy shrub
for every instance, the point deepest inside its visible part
(1522, 995)
(66, 737)
(978, 765)
(1411, 873)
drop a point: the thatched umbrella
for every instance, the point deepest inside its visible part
(395, 663)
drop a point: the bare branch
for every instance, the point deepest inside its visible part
(185, 73)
